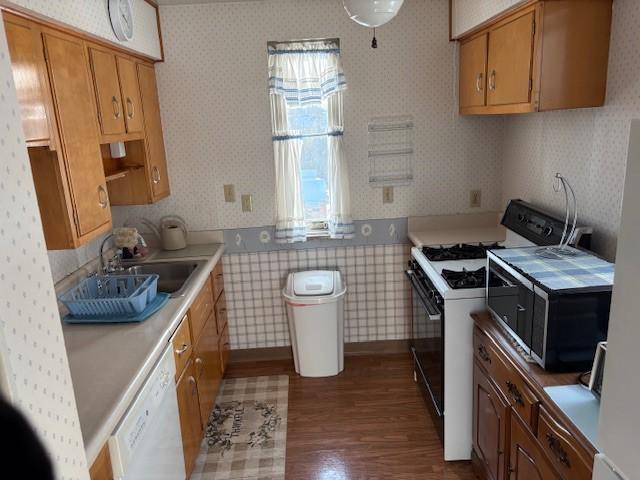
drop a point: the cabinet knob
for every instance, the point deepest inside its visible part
(182, 349)
(155, 175)
(116, 107)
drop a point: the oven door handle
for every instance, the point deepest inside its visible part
(432, 311)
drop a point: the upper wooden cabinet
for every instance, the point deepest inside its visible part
(32, 86)
(130, 94)
(107, 87)
(76, 96)
(157, 161)
(547, 55)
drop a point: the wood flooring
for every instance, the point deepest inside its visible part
(369, 422)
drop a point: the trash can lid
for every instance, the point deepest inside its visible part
(314, 282)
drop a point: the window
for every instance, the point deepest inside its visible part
(311, 123)
(306, 83)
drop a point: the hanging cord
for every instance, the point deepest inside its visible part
(374, 41)
(570, 202)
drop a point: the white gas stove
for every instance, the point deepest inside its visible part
(442, 327)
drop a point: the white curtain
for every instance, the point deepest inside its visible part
(302, 73)
(290, 226)
(340, 221)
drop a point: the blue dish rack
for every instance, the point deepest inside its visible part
(114, 296)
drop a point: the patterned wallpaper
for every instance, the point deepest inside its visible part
(470, 13)
(588, 146)
(216, 120)
(33, 352)
(93, 16)
(377, 304)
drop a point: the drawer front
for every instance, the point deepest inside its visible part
(217, 279)
(201, 310)
(221, 313)
(224, 347)
(182, 346)
(562, 449)
(509, 382)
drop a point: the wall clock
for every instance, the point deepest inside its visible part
(121, 16)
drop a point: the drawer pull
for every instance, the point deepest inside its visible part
(219, 276)
(181, 350)
(484, 355)
(556, 447)
(515, 393)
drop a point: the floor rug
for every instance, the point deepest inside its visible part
(246, 437)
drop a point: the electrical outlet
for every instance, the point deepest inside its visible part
(387, 194)
(247, 203)
(475, 198)
(229, 193)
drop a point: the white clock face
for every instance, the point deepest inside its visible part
(121, 16)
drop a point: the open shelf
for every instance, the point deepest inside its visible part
(116, 174)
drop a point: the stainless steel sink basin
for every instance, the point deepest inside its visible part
(174, 276)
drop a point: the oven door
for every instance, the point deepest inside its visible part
(510, 299)
(427, 343)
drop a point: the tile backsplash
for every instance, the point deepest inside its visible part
(377, 304)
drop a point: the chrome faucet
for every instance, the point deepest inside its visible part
(113, 264)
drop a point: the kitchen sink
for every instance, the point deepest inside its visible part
(174, 276)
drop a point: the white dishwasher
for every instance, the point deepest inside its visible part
(147, 443)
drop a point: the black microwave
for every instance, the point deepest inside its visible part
(560, 330)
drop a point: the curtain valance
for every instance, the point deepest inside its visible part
(305, 72)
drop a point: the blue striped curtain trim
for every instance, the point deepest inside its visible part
(280, 138)
(323, 51)
(274, 79)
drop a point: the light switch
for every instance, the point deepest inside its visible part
(387, 194)
(247, 203)
(229, 193)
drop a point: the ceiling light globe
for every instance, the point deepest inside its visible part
(372, 13)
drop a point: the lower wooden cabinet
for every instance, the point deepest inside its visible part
(490, 424)
(190, 424)
(208, 368)
(101, 468)
(518, 433)
(527, 461)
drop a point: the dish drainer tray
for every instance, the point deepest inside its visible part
(159, 302)
(111, 295)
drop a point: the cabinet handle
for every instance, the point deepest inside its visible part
(130, 110)
(193, 382)
(182, 349)
(484, 355)
(219, 276)
(556, 447)
(479, 82)
(116, 106)
(103, 199)
(155, 175)
(492, 81)
(199, 362)
(515, 393)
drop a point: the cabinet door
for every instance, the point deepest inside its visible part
(527, 460)
(510, 62)
(207, 364)
(105, 78)
(29, 74)
(156, 157)
(189, 407)
(73, 100)
(473, 68)
(130, 94)
(489, 424)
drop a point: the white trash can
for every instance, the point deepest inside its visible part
(315, 309)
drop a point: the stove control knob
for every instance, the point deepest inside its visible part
(548, 231)
(522, 218)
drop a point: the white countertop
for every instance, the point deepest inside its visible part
(109, 363)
